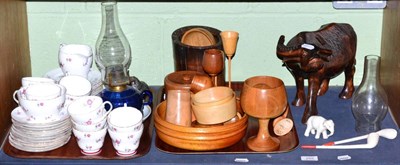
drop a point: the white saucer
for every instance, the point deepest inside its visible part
(20, 116)
(146, 112)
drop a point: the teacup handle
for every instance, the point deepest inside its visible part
(109, 103)
(149, 97)
(62, 45)
(15, 96)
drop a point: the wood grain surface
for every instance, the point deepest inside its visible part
(14, 56)
(288, 142)
(390, 57)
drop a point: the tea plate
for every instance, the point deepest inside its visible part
(20, 116)
(39, 147)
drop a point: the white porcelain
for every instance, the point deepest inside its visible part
(76, 85)
(126, 143)
(88, 109)
(146, 111)
(90, 142)
(124, 119)
(42, 91)
(41, 135)
(94, 125)
(38, 146)
(94, 77)
(75, 59)
(19, 117)
(31, 135)
(27, 81)
(41, 110)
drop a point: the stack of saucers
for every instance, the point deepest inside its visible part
(40, 122)
(39, 136)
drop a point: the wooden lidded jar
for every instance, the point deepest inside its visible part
(187, 57)
(179, 80)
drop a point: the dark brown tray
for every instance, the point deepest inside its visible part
(288, 143)
(72, 151)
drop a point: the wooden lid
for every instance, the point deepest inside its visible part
(179, 80)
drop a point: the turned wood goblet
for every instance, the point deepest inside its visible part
(229, 41)
(213, 63)
(263, 97)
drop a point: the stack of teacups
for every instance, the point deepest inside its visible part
(125, 128)
(39, 123)
(89, 117)
(76, 86)
(41, 101)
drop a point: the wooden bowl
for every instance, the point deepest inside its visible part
(198, 37)
(215, 114)
(213, 96)
(198, 138)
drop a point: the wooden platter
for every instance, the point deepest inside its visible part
(288, 143)
(72, 151)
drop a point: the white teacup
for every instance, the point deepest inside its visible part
(126, 143)
(90, 143)
(124, 119)
(94, 125)
(27, 81)
(75, 59)
(88, 109)
(42, 91)
(42, 110)
(76, 85)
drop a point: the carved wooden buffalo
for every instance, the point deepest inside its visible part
(319, 56)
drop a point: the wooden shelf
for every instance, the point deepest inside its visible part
(15, 58)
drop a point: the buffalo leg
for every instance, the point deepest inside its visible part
(300, 96)
(348, 89)
(324, 87)
(311, 105)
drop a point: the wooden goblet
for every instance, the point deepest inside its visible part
(263, 97)
(213, 63)
(229, 41)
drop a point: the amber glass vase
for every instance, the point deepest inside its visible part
(370, 102)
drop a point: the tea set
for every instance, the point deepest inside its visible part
(66, 101)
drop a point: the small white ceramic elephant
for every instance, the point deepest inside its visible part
(320, 125)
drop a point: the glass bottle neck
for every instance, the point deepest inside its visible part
(110, 17)
(371, 69)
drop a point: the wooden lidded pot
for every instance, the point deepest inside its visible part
(180, 80)
(187, 57)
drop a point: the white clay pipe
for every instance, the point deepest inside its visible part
(388, 133)
(372, 141)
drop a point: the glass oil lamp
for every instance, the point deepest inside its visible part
(113, 58)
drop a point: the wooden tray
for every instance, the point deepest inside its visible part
(72, 151)
(288, 143)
